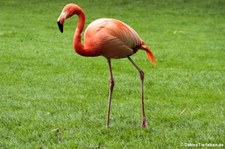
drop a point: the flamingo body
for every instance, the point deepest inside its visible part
(110, 38)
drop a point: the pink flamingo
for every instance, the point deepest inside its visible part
(110, 38)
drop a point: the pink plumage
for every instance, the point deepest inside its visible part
(110, 38)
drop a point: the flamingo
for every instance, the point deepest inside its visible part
(111, 39)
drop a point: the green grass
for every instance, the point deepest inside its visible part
(51, 97)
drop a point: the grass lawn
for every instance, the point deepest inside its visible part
(50, 97)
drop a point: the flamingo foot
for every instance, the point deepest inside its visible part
(144, 123)
(107, 126)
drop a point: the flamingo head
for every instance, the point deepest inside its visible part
(68, 11)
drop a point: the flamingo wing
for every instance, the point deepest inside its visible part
(113, 38)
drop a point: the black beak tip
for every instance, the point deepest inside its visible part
(60, 27)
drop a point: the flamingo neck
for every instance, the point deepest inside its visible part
(78, 46)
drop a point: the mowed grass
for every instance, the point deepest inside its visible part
(50, 97)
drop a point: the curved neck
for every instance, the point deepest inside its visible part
(78, 46)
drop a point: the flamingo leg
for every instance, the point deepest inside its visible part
(144, 120)
(110, 92)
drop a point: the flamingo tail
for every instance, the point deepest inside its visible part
(149, 53)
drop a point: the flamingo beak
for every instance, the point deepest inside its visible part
(61, 20)
(60, 26)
